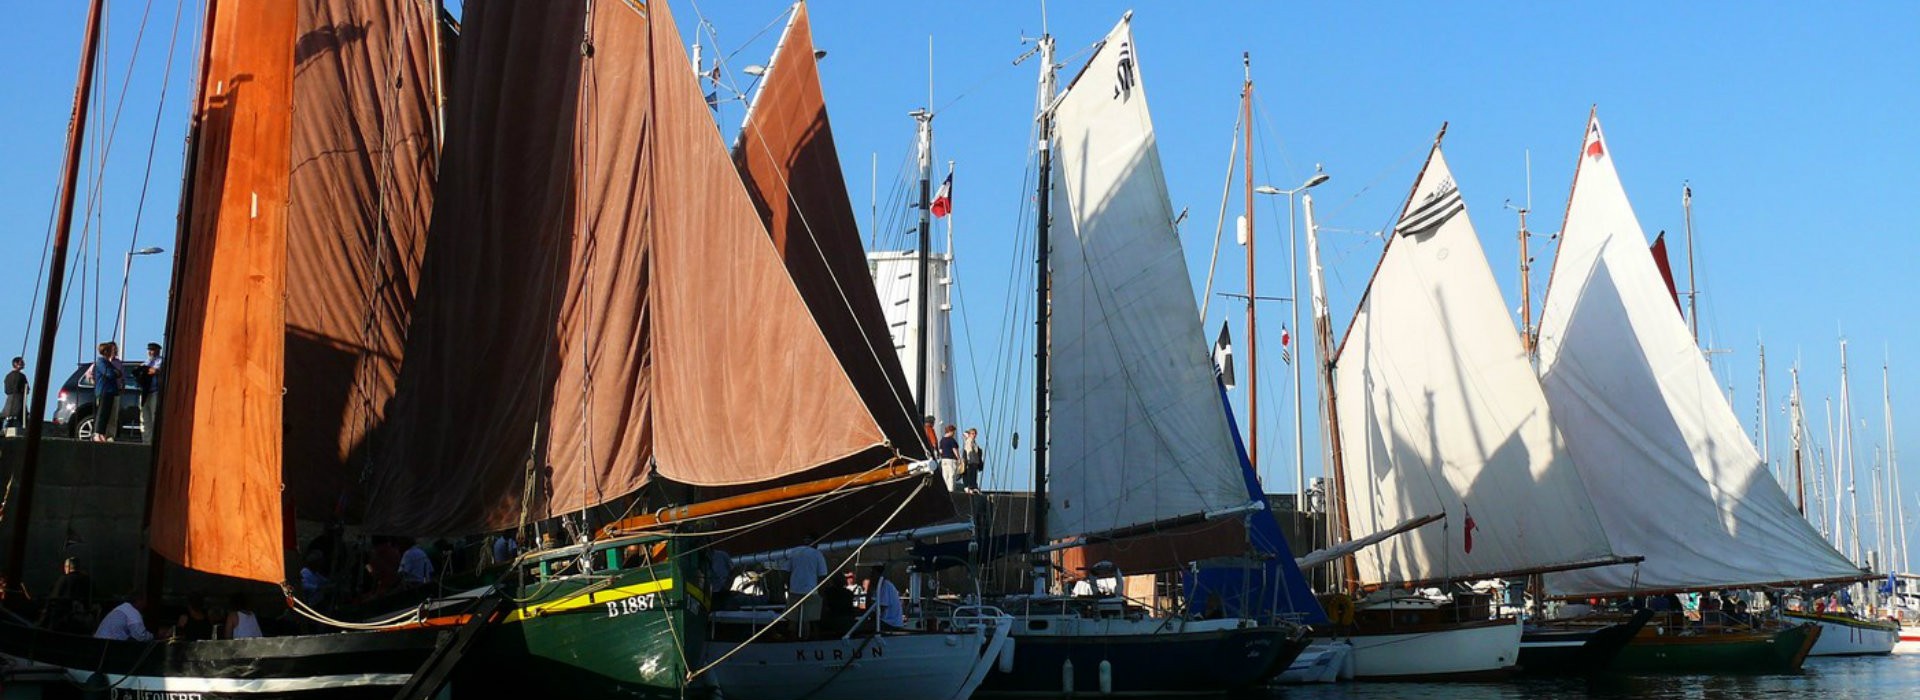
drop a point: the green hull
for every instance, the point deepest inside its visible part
(1777, 652)
(627, 633)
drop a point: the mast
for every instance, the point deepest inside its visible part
(921, 375)
(1766, 417)
(1893, 467)
(1526, 266)
(1323, 351)
(56, 279)
(1846, 441)
(1799, 473)
(1043, 221)
(1693, 286)
(1833, 471)
(1253, 335)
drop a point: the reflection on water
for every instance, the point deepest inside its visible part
(1866, 678)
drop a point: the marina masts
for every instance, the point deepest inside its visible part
(1246, 223)
(56, 280)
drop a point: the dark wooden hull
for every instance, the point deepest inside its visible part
(1569, 650)
(1769, 651)
(320, 666)
(1172, 663)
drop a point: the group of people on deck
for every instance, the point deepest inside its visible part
(960, 462)
(812, 594)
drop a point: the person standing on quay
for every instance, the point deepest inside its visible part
(147, 377)
(108, 374)
(14, 415)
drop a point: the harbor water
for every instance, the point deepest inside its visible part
(1838, 678)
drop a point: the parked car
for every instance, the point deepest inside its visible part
(74, 407)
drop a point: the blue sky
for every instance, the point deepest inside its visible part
(1788, 119)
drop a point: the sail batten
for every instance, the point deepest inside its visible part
(1672, 475)
(1440, 412)
(1137, 432)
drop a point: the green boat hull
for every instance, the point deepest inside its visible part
(1777, 652)
(628, 634)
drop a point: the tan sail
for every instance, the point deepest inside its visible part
(364, 155)
(217, 486)
(600, 303)
(786, 155)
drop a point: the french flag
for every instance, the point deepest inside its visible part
(943, 200)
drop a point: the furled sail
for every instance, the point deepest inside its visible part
(599, 303)
(364, 151)
(217, 481)
(786, 155)
(1671, 474)
(1440, 412)
(1137, 433)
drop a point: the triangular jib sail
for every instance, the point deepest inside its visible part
(1672, 475)
(1440, 412)
(1137, 433)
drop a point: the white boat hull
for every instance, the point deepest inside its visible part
(1909, 640)
(1322, 662)
(908, 666)
(1488, 650)
(1851, 638)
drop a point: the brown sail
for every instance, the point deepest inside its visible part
(786, 154)
(599, 302)
(217, 487)
(364, 151)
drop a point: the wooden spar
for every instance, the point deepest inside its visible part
(56, 279)
(1253, 336)
(1515, 573)
(894, 471)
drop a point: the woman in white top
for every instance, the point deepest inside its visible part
(241, 622)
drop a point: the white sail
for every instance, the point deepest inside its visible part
(1440, 412)
(1138, 434)
(1669, 469)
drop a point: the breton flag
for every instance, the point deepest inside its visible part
(1430, 214)
(1223, 356)
(943, 200)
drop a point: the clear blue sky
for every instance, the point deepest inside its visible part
(1790, 120)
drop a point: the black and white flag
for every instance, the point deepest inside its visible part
(1223, 357)
(1431, 213)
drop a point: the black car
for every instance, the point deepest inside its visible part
(74, 408)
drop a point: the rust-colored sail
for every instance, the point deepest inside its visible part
(748, 390)
(217, 486)
(364, 151)
(786, 154)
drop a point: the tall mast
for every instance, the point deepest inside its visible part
(921, 376)
(1799, 473)
(1693, 286)
(1766, 417)
(1846, 441)
(1246, 223)
(1526, 266)
(1043, 221)
(1833, 471)
(56, 280)
(1323, 351)
(1896, 511)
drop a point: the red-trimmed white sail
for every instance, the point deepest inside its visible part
(1672, 475)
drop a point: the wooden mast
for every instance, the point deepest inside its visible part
(1799, 472)
(1253, 335)
(1042, 569)
(1323, 351)
(56, 279)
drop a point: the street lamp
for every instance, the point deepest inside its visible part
(1293, 290)
(126, 280)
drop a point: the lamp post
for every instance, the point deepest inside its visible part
(1293, 290)
(126, 281)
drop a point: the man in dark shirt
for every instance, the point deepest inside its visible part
(108, 374)
(147, 377)
(16, 409)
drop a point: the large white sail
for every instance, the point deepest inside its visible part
(1138, 435)
(1440, 412)
(1671, 473)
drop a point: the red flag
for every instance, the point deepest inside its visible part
(1469, 530)
(1284, 336)
(943, 201)
(1594, 150)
